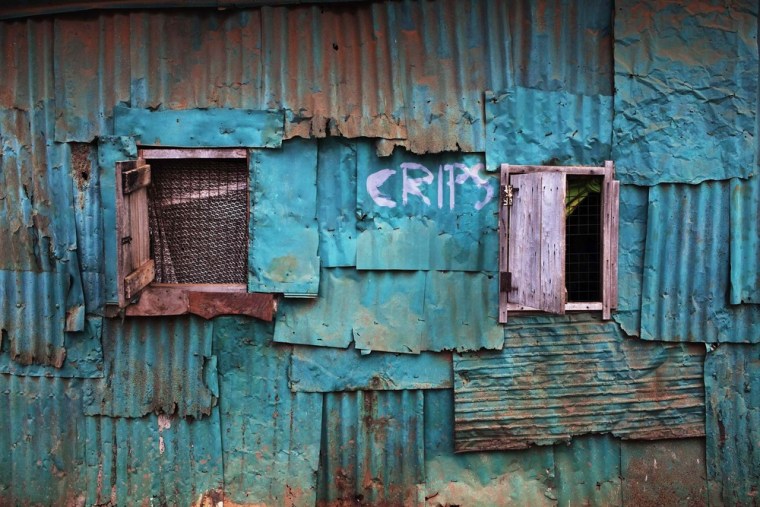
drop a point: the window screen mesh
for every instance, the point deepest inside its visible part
(583, 253)
(198, 211)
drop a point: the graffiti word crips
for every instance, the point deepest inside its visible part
(415, 176)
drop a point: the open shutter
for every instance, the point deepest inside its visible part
(610, 205)
(536, 242)
(135, 267)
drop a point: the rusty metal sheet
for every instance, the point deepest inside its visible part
(685, 289)
(563, 377)
(425, 212)
(328, 370)
(380, 311)
(485, 479)
(199, 128)
(159, 365)
(270, 435)
(745, 240)
(152, 460)
(732, 385)
(537, 127)
(336, 202)
(41, 442)
(373, 448)
(283, 238)
(686, 78)
(667, 472)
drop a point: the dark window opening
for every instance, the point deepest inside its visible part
(583, 230)
(198, 219)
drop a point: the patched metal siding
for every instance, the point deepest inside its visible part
(745, 240)
(561, 378)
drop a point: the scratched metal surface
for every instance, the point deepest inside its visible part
(373, 448)
(685, 289)
(686, 79)
(357, 71)
(270, 435)
(538, 127)
(567, 377)
(155, 365)
(745, 240)
(732, 375)
(425, 212)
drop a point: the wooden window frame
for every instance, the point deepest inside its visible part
(609, 239)
(138, 294)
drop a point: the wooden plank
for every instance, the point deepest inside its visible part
(552, 264)
(203, 287)
(138, 279)
(135, 179)
(503, 243)
(212, 304)
(610, 247)
(159, 301)
(574, 170)
(123, 252)
(170, 153)
(569, 307)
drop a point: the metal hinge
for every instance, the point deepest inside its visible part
(505, 282)
(508, 195)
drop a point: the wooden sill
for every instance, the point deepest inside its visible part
(205, 300)
(569, 307)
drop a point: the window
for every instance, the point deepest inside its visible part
(558, 230)
(182, 224)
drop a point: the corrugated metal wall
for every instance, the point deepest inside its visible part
(364, 394)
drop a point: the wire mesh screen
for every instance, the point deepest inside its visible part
(583, 255)
(198, 211)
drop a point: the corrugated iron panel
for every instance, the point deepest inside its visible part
(537, 127)
(667, 472)
(351, 70)
(270, 436)
(686, 79)
(634, 203)
(154, 460)
(154, 365)
(732, 385)
(686, 268)
(745, 240)
(566, 377)
(83, 351)
(485, 479)
(425, 212)
(373, 448)
(283, 234)
(336, 202)
(41, 442)
(587, 471)
(328, 370)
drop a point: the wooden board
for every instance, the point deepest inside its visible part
(536, 249)
(503, 244)
(610, 233)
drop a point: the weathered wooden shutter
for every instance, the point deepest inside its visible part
(135, 267)
(535, 249)
(610, 205)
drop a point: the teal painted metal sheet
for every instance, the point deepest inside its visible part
(686, 91)
(83, 355)
(329, 370)
(336, 202)
(41, 442)
(154, 460)
(563, 377)
(536, 127)
(201, 128)
(111, 149)
(461, 312)
(634, 204)
(685, 291)
(587, 471)
(745, 240)
(373, 448)
(486, 479)
(270, 435)
(283, 233)
(667, 472)
(158, 365)
(732, 385)
(380, 311)
(422, 213)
